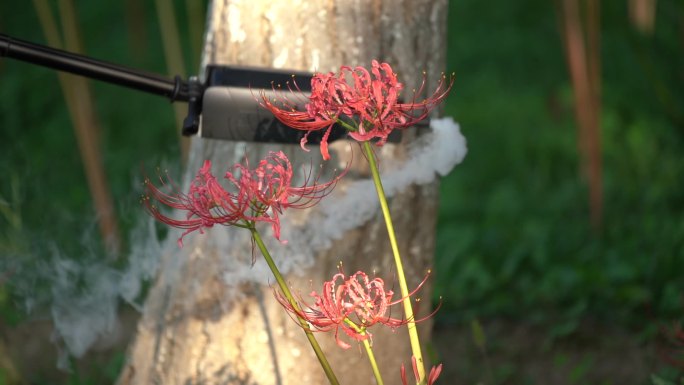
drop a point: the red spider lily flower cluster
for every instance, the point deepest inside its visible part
(368, 103)
(258, 195)
(673, 351)
(353, 304)
(432, 376)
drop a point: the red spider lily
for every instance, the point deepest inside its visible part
(271, 191)
(368, 103)
(206, 204)
(673, 351)
(353, 304)
(321, 112)
(432, 376)
(258, 195)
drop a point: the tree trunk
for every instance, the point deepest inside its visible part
(210, 317)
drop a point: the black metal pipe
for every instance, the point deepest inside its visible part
(174, 89)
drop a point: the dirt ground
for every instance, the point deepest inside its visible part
(514, 353)
(520, 353)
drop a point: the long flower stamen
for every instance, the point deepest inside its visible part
(254, 195)
(369, 102)
(349, 303)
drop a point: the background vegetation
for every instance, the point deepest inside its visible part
(514, 242)
(514, 230)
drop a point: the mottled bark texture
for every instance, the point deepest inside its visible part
(208, 322)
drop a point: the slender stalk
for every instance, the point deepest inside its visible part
(369, 351)
(174, 61)
(408, 308)
(79, 100)
(374, 364)
(283, 287)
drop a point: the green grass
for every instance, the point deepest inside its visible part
(514, 238)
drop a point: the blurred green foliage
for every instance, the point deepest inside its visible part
(514, 238)
(39, 145)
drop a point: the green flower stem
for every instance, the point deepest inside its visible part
(374, 364)
(369, 351)
(408, 308)
(346, 125)
(283, 287)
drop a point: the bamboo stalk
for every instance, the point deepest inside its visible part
(195, 11)
(81, 109)
(642, 13)
(594, 155)
(174, 61)
(584, 67)
(136, 21)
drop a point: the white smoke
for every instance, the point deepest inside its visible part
(433, 154)
(85, 295)
(86, 298)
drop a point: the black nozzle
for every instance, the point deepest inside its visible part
(174, 89)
